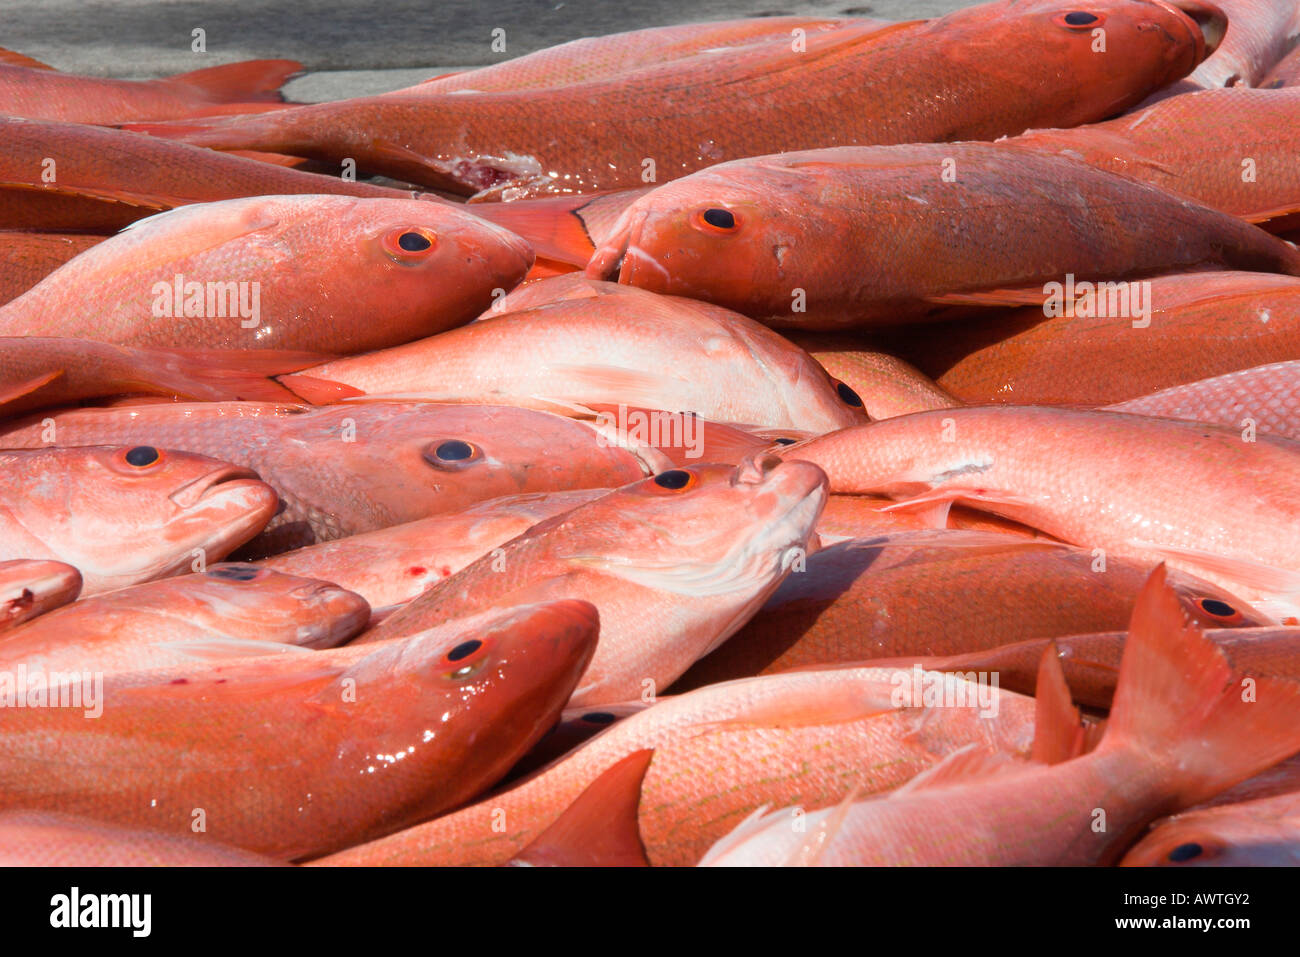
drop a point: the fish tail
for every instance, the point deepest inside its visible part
(249, 81)
(1179, 702)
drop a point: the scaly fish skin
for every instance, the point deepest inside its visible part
(720, 753)
(360, 467)
(214, 737)
(177, 621)
(940, 80)
(1266, 398)
(854, 236)
(1201, 325)
(935, 593)
(629, 347)
(695, 550)
(126, 515)
(1149, 489)
(278, 272)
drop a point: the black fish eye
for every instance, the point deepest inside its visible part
(786, 441)
(1078, 18)
(721, 218)
(413, 242)
(849, 396)
(673, 479)
(454, 451)
(1219, 609)
(599, 717)
(1185, 852)
(234, 573)
(142, 455)
(464, 649)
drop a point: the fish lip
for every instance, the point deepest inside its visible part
(609, 262)
(193, 493)
(1209, 22)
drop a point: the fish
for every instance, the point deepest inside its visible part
(943, 79)
(1180, 731)
(33, 89)
(1231, 150)
(170, 741)
(1135, 487)
(1201, 325)
(695, 550)
(797, 240)
(1259, 33)
(656, 352)
(888, 385)
(282, 272)
(39, 372)
(1091, 662)
(26, 258)
(106, 179)
(391, 566)
(32, 587)
(618, 54)
(124, 515)
(1263, 833)
(930, 594)
(720, 753)
(1285, 73)
(355, 468)
(226, 611)
(48, 839)
(1265, 398)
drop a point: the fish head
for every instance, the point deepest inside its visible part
(273, 606)
(410, 460)
(142, 511)
(492, 684)
(743, 235)
(704, 530)
(1158, 41)
(1212, 606)
(1220, 838)
(425, 258)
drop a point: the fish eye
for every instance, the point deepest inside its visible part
(675, 480)
(408, 245)
(464, 649)
(848, 395)
(1219, 610)
(234, 572)
(413, 242)
(461, 652)
(599, 717)
(1078, 19)
(716, 220)
(1186, 852)
(451, 454)
(142, 456)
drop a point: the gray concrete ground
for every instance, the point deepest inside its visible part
(354, 48)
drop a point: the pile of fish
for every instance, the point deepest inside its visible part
(783, 441)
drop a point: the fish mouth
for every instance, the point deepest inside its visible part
(1211, 22)
(222, 479)
(609, 262)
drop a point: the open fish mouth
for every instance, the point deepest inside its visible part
(222, 479)
(1210, 21)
